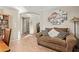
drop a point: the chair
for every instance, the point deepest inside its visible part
(4, 42)
(7, 33)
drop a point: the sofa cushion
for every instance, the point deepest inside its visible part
(62, 35)
(52, 46)
(53, 33)
(44, 32)
(48, 29)
(61, 29)
(48, 39)
(57, 29)
(38, 35)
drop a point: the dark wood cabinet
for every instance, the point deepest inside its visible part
(4, 22)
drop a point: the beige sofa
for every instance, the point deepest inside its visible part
(57, 44)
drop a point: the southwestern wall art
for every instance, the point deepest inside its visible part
(57, 17)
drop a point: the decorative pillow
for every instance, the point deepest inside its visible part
(53, 33)
(62, 35)
(45, 32)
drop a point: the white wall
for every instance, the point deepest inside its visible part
(34, 19)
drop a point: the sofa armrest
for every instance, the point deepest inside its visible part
(70, 42)
(38, 34)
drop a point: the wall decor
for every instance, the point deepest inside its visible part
(57, 17)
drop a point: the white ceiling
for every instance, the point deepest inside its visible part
(43, 8)
(38, 8)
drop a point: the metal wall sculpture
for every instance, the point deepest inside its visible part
(57, 17)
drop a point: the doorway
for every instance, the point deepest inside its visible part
(25, 25)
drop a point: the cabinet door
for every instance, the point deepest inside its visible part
(4, 23)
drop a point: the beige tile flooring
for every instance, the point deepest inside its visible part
(28, 44)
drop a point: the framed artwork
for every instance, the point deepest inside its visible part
(57, 17)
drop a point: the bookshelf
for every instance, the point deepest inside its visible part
(4, 23)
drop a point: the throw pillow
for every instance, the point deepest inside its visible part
(48, 29)
(62, 35)
(53, 33)
(45, 32)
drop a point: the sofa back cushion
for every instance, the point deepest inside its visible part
(63, 32)
(48, 29)
(62, 35)
(61, 29)
(58, 29)
(44, 32)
